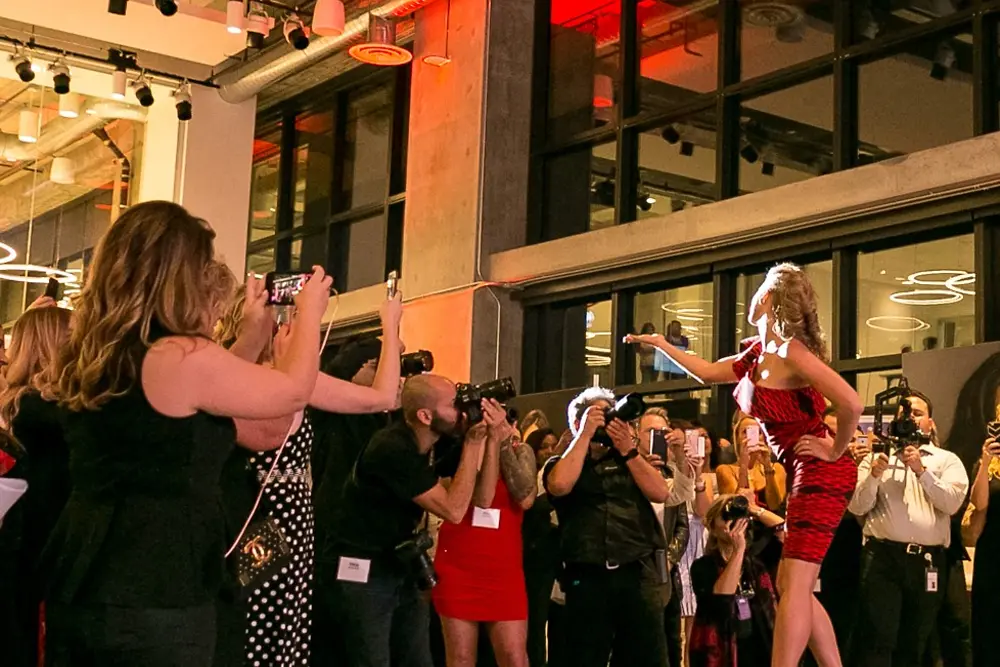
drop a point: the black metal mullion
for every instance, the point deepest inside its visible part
(727, 112)
(622, 355)
(627, 154)
(539, 120)
(285, 214)
(984, 75)
(987, 249)
(844, 337)
(845, 92)
(724, 343)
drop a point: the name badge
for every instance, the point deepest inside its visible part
(742, 608)
(486, 518)
(354, 569)
(932, 581)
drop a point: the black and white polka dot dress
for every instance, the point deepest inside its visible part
(279, 617)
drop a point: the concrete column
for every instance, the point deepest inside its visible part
(467, 181)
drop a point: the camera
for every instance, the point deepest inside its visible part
(903, 430)
(469, 397)
(413, 555)
(629, 408)
(736, 508)
(416, 363)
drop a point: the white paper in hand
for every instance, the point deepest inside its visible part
(10, 491)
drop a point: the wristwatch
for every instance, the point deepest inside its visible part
(632, 453)
(700, 487)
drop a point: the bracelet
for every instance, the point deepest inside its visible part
(632, 453)
(700, 488)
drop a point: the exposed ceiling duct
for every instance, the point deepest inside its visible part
(244, 82)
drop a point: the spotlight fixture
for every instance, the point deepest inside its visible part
(687, 148)
(258, 26)
(749, 153)
(143, 92)
(943, 61)
(62, 171)
(69, 105)
(328, 18)
(295, 32)
(60, 77)
(670, 135)
(22, 65)
(119, 83)
(604, 91)
(603, 194)
(234, 16)
(646, 202)
(166, 7)
(27, 126)
(380, 48)
(117, 7)
(767, 168)
(183, 102)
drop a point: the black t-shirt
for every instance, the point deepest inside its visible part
(377, 512)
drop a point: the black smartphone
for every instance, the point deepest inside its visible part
(658, 443)
(52, 289)
(392, 284)
(282, 286)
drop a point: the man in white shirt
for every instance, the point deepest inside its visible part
(907, 499)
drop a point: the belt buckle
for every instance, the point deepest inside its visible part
(611, 566)
(914, 549)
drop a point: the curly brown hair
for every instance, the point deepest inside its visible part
(793, 301)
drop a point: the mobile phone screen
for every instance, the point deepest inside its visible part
(701, 446)
(753, 435)
(862, 441)
(282, 287)
(691, 437)
(658, 443)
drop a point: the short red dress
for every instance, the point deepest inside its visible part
(819, 490)
(480, 569)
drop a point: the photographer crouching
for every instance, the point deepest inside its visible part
(376, 556)
(734, 621)
(612, 544)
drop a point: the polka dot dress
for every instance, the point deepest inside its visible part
(280, 611)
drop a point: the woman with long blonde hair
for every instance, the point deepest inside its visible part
(783, 381)
(135, 562)
(755, 470)
(28, 407)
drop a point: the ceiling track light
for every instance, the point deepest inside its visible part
(687, 148)
(60, 76)
(767, 168)
(117, 7)
(328, 18)
(381, 48)
(670, 135)
(119, 83)
(166, 7)
(295, 32)
(143, 92)
(235, 16)
(749, 153)
(23, 65)
(944, 59)
(258, 25)
(182, 101)
(69, 105)
(27, 126)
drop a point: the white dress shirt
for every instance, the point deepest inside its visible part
(901, 507)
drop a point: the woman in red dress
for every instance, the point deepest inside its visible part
(479, 561)
(782, 380)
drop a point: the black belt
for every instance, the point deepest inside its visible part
(910, 548)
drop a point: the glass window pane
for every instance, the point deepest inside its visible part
(308, 251)
(918, 297)
(261, 261)
(358, 253)
(684, 316)
(264, 185)
(598, 343)
(580, 191)
(314, 154)
(909, 102)
(787, 136)
(878, 18)
(820, 275)
(775, 35)
(678, 52)
(686, 405)
(583, 65)
(677, 166)
(871, 384)
(366, 148)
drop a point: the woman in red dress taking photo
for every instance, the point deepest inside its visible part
(783, 381)
(479, 561)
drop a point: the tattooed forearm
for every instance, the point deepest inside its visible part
(517, 466)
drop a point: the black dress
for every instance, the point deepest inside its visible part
(135, 562)
(986, 586)
(45, 466)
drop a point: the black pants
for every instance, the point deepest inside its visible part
(105, 636)
(538, 581)
(672, 627)
(951, 645)
(618, 611)
(383, 623)
(897, 613)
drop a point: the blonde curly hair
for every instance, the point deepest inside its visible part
(37, 337)
(793, 301)
(227, 329)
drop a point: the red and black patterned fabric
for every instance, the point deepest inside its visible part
(819, 490)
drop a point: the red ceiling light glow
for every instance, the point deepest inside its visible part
(604, 91)
(381, 49)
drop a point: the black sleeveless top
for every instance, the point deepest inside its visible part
(144, 525)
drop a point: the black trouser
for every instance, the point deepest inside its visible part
(952, 643)
(618, 610)
(897, 613)
(538, 579)
(672, 620)
(106, 636)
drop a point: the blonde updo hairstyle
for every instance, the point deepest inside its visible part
(153, 274)
(793, 302)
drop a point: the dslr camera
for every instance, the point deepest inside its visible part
(903, 430)
(736, 508)
(416, 363)
(413, 555)
(628, 408)
(469, 397)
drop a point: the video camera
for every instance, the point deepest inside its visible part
(469, 397)
(416, 363)
(413, 554)
(903, 430)
(629, 408)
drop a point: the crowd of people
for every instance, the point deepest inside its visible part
(202, 492)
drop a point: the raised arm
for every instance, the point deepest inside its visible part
(452, 503)
(495, 418)
(706, 372)
(980, 496)
(565, 473)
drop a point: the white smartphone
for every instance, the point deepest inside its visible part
(694, 442)
(701, 446)
(753, 435)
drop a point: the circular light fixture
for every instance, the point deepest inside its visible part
(594, 334)
(381, 48)
(926, 297)
(922, 277)
(687, 311)
(11, 253)
(915, 324)
(957, 283)
(58, 274)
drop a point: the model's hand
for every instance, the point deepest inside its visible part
(820, 448)
(643, 339)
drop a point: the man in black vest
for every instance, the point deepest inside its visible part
(612, 544)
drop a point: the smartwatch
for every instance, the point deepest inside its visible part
(632, 453)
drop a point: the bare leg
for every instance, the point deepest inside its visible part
(461, 639)
(510, 642)
(801, 620)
